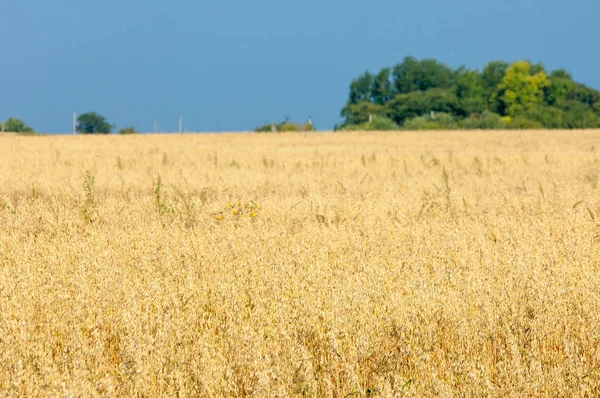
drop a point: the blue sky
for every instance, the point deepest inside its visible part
(232, 65)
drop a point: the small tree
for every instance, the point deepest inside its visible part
(93, 123)
(17, 126)
(522, 88)
(128, 130)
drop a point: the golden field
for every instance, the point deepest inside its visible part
(318, 265)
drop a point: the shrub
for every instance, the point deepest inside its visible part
(484, 121)
(547, 116)
(522, 123)
(441, 121)
(378, 123)
(285, 126)
(128, 130)
(266, 128)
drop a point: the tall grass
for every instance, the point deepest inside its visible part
(342, 265)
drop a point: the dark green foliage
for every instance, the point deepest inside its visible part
(381, 87)
(93, 123)
(561, 74)
(522, 123)
(579, 116)
(412, 75)
(360, 89)
(128, 130)
(492, 75)
(360, 112)
(13, 125)
(585, 95)
(548, 116)
(470, 91)
(537, 68)
(557, 90)
(406, 106)
(413, 91)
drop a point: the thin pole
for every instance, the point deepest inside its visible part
(180, 121)
(154, 123)
(74, 122)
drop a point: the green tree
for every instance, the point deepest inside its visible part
(522, 90)
(407, 106)
(558, 89)
(577, 115)
(548, 116)
(93, 123)
(470, 91)
(413, 75)
(17, 126)
(583, 94)
(561, 74)
(360, 89)
(537, 68)
(406, 76)
(491, 77)
(382, 89)
(360, 112)
(562, 89)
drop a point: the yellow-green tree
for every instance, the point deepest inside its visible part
(521, 89)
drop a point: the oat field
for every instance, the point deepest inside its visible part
(308, 265)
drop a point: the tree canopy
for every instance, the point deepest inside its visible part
(426, 93)
(13, 125)
(93, 123)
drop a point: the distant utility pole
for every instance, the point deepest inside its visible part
(2, 123)
(180, 121)
(74, 122)
(154, 124)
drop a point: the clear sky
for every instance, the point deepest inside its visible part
(233, 65)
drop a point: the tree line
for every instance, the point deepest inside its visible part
(87, 123)
(427, 94)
